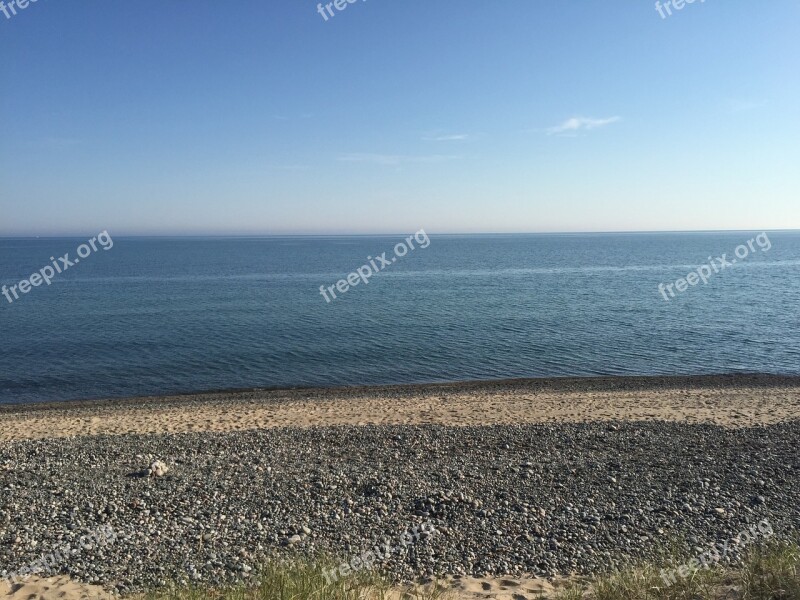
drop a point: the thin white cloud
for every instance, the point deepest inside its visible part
(56, 143)
(395, 160)
(577, 124)
(737, 105)
(290, 167)
(459, 137)
(292, 117)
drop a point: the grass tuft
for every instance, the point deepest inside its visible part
(772, 573)
(768, 573)
(299, 580)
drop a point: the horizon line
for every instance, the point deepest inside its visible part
(328, 235)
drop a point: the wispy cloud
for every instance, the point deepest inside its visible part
(395, 160)
(577, 124)
(737, 105)
(56, 143)
(458, 137)
(293, 117)
(290, 167)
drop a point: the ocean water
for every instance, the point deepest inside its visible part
(158, 315)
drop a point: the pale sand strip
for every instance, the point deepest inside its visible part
(467, 588)
(53, 588)
(513, 402)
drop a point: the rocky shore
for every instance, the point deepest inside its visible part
(543, 499)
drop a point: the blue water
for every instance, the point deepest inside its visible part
(155, 316)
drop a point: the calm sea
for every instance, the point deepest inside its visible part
(155, 316)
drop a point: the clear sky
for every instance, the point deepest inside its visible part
(260, 117)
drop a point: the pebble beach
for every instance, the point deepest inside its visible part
(508, 481)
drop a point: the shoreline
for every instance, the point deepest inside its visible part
(726, 400)
(566, 383)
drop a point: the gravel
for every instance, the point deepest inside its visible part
(504, 500)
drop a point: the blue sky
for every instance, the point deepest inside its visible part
(259, 117)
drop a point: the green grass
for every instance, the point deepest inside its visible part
(774, 573)
(769, 573)
(299, 580)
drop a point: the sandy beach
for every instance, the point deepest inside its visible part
(729, 401)
(564, 475)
